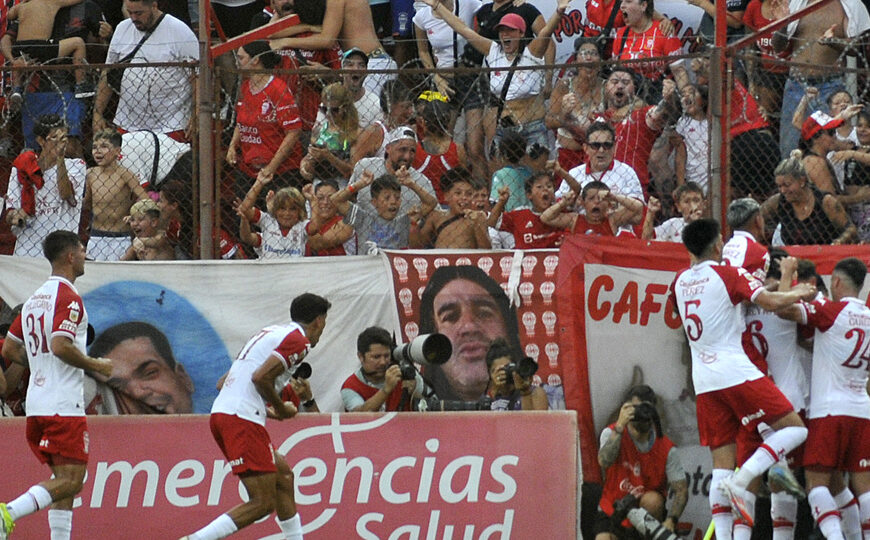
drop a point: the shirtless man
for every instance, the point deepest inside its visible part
(461, 227)
(34, 43)
(348, 22)
(819, 38)
(110, 192)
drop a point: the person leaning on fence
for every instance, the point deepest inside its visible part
(461, 226)
(819, 39)
(397, 106)
(349, 23)
(804, 214)
(573, 102)
(110, 191)
(327, 232)
(33, 42)
(379, 385)
(463, 90)
(332, 138)
(267, 125)
(383, 222)
(523, 108)
(437, 152)
(45, 189)
(158, 99)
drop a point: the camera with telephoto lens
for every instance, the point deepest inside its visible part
(644, 412)
(439, 405)
(427, 349)
(303, 371)
(525, 368)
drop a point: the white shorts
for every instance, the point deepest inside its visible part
(107, 248)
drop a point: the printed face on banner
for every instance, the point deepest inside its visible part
(468, 299)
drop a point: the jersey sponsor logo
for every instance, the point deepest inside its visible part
(74, 311)
(754, 416)
(43, 443)
(237, 462)
(69, 326)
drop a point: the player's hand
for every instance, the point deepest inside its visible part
(392, 378)
(103, 366)
(287, 411)
(805, 290)
(788, 266)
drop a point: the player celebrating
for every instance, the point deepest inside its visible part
(238, 419)
(50, 335)
(839, 412)
(731, 391)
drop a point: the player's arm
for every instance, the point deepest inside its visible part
(777, 300)
(264, 381)
(65, 349)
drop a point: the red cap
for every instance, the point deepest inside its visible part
(512, 20)
(818, 121)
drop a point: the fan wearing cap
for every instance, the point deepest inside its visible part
(149, 241)
(401, 147)
(354, 64)
(349, 24)
(523, 108)
(804, 214)
(818, 137)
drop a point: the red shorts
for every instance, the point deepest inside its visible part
(245, 444)
(748, 442)
(723, 413)
(838, 443)
(57, 440)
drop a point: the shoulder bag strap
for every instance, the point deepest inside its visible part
(507, 83)
(142, 41)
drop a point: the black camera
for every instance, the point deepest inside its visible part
(303, 371)
(435, 404)
(525, 368)
(644, 412)
(427, 349)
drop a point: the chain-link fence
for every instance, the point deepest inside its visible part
(326, 156)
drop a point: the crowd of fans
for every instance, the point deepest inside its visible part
(326, 154)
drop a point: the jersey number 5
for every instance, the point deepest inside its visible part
(859, 353)
(36, 340)
(694, 326)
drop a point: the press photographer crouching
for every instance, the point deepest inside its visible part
(510, 381)
(379, 384)
(640, 465)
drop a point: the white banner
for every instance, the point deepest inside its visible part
(209, 309)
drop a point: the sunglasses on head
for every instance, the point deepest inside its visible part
(330, 110)
(599, 145)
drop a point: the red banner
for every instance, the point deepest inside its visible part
(369, 476)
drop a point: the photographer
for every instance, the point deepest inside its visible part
(510, 382)
(638, 460)
(379, 384)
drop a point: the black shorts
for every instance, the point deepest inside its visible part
(237, 19)
(41, 50)
(603, 524)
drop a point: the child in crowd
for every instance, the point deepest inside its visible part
(327, 233)
(149, 240)
(282, 226)
(480, 201)
(691, 139)
(461, 227)
(384, 228)
(689, 200)
(110, 191)
(605, 213)
(525, 224)
(513, 174)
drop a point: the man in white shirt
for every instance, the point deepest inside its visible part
(732, 393)
(158, 99)
(50, 336)
(249, 394)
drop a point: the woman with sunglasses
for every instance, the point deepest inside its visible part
(267, 124)
(333, 138)
(524, 108)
